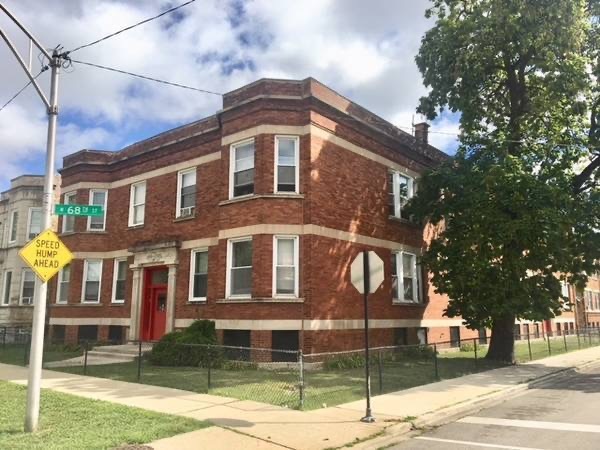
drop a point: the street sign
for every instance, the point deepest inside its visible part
(375, 272)
(46, 255)
(78, 210)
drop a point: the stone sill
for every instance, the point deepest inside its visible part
(257, 300)
(401, 303)
(78, 305)
(260, 196)
(405, 221)
(184, 218)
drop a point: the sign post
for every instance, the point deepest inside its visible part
(366, 273)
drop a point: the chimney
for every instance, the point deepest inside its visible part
(421, 132)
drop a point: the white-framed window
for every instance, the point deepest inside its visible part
(287, 166)
(92, 280)
(239, 267)
(406, 279)
(285, 266)
(62, 285)
(34, 222)
(14, 226)
(186, 192)
(98, 197)
(198, 275)
(6, 285)
(241, 169)
(137, 204)
(119, 280)
(68, 222)
(401, 188)
(27, 287)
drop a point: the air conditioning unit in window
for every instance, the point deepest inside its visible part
(186, 212)
(27, 301)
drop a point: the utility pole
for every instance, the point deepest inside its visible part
(39, 305)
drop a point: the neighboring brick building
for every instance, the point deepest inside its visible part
(20, 221)
(251, 218)
(590, 302)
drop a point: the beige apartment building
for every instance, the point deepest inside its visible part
(20, 221)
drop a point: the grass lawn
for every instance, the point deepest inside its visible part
(281, 387)
(17, 354)
(70, 422)
(321, 387)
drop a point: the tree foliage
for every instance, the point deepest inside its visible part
(519, 203)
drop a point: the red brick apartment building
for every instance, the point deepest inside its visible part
(251, 218)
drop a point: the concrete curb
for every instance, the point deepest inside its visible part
(396, 433)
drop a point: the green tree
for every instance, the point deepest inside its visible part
(518, 209)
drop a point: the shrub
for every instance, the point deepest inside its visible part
(345, 362)
(468, 347)
(416, 352)
(189, 347)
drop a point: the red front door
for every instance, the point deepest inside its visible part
(154, 312)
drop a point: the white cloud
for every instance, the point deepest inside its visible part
(364, 50)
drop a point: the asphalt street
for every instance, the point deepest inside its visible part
(563, 414)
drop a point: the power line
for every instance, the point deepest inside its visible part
(130, 27)
(144, 77)
(22, 89)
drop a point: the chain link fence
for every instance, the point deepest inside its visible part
(285, 377)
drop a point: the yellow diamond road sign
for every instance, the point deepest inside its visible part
(46, 254)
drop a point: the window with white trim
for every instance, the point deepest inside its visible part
(241, 179)
(285, 266)
(62, 286)
(239, 267)
(34, 224)
(186, 193)
(92, 275)
(137, 204)
(27, 287)
(98, 197)
(287, 164)
(198, 275)
(7, 281)
(68, 222)
(406, 283)
(119, 280)
(14, 226)
(401, 188)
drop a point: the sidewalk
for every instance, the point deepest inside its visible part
(252, 425)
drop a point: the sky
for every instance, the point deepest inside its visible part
(363, 49)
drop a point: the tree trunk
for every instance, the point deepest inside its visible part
(502, 343)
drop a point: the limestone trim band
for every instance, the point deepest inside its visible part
(146, 175)
(90, 321)
(251, 230)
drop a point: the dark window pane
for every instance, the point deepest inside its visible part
(408, 289)
(241, 281)
(242, 254)
(286, 179)
(160, 276)
(243, 182)
(285, 280)
(200, 284)
(91, 291)
(188, 196)
(120, 290)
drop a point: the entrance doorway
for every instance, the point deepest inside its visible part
(154, 310)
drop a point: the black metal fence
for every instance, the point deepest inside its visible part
(285, 377)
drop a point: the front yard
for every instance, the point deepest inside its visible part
(70, 422)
